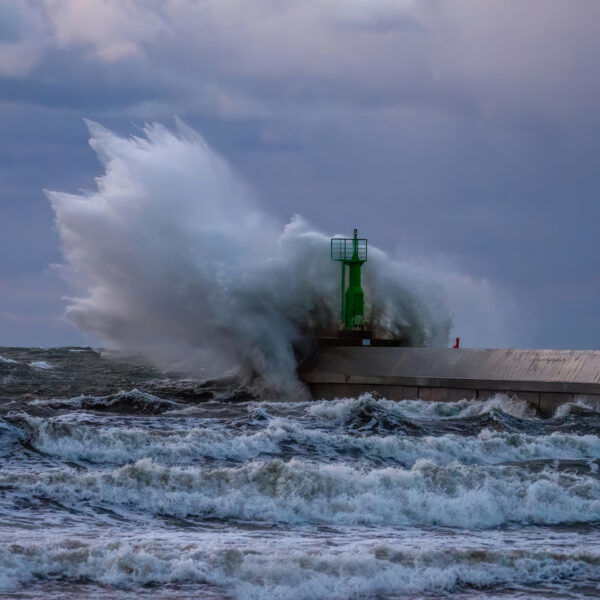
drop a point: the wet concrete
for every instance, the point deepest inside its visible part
(545, 378)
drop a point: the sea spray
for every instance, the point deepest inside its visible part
(173, 257)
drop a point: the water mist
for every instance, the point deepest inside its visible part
(173, 258)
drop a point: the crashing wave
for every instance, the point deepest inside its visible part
(200, 277)
(340, 409)
(71, 438)
(255, 571)
(299, 491)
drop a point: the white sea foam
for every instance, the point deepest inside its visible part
(565, 410)
(255, 570)
(340, 409)
(40, 364)
(8, 361)
(69, 437)
(335, 494)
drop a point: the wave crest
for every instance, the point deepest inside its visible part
(71, 437)
(256, 571)
(304, 492)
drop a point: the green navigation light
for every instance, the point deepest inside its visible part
(352, 253)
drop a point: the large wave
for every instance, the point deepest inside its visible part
(256, 571)
(72, 437)
(304, 492)
(173, 257)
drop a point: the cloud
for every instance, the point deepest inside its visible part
(462, 128)
(497, 59)
(113, 29)
(22, 38)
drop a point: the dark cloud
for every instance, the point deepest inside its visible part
(66, 79)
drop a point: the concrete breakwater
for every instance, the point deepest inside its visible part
(544, 378)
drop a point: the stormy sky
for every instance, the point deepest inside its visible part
(461, 135)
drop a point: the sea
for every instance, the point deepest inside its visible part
(119, 481)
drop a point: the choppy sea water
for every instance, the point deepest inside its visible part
(117, 482)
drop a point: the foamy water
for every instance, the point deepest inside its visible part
(117, 482)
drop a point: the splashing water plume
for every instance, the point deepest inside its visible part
(172, 257)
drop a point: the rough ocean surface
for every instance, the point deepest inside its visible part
(118, 481)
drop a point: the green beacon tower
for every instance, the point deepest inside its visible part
(351, 253)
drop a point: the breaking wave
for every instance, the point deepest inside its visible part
(573, 408)
(187, 488)
(258, 572)
(72, 438)
(340, 410)
(302, 491)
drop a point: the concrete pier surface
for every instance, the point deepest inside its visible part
(545, 378)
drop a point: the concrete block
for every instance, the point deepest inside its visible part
(330, 391)
(487, 394)
(441, 394)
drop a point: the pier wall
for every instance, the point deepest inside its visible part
(544, 378)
